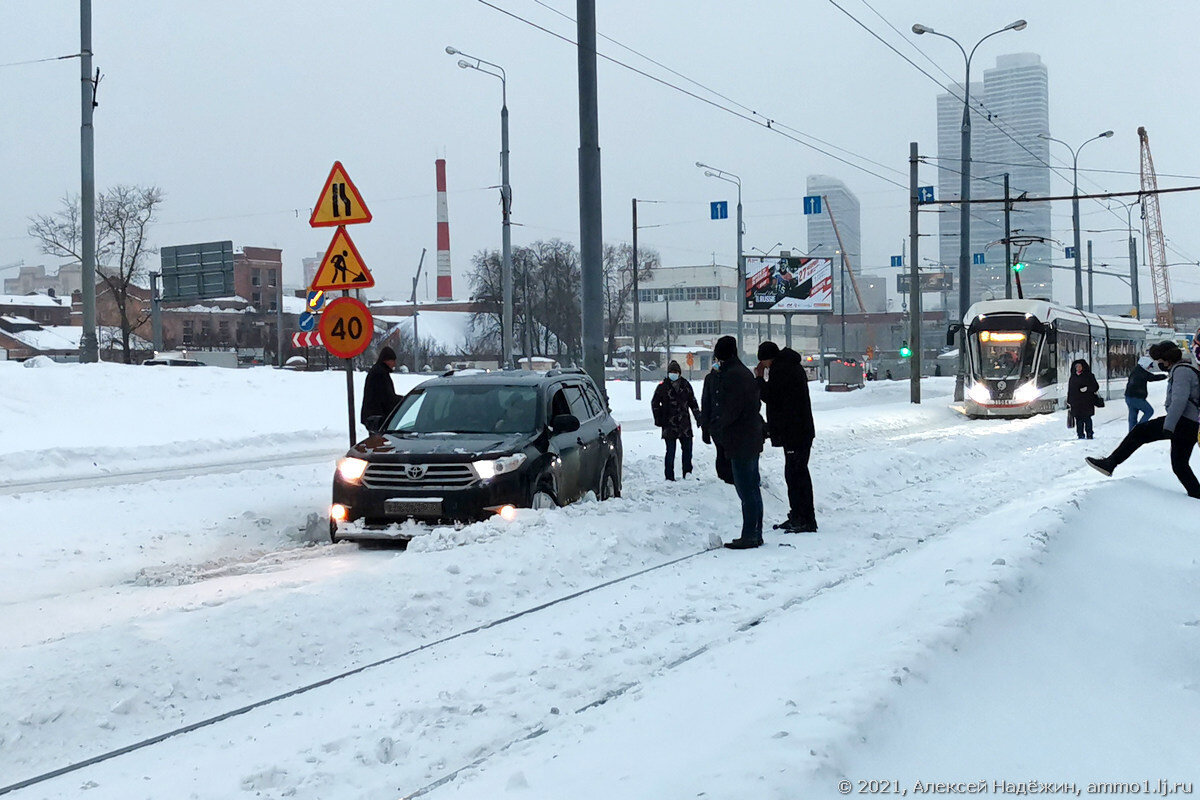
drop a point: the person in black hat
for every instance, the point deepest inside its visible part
(736, 426)
(783, 384)
(671, 404)
(379, 393)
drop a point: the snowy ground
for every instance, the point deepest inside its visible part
(976, 606)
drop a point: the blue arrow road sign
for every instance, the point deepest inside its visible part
(315, 300)
(1070, 252)
(812, 204)
(720, 209)
(977, 258)
(897, 261)
(308, 321)
(924, 194)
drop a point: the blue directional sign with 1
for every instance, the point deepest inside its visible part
(897, 261)
(1070, 252)
(977, 258)
(812, 204)
(924, 194)
(308, 321)
(720, 209)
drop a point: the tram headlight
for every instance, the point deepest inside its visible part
(1026, 393)
(979, 393)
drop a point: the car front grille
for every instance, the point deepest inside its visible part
(400, 476)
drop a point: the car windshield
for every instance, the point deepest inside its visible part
(466, 408)
(1005, 355)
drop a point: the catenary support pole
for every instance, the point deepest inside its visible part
(89, 347)
(506, 336)
(1091, 284)
(1008, 262)
(741, 275)
(637, 319)
(1133, 277)
(590, 220)
(914, 289)
(156, 331)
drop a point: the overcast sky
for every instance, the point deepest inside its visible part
(238, 109)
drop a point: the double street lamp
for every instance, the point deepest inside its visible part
(1075, 206)
(506, 320)
(740, 294)
(964, 253)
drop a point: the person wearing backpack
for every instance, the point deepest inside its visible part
(1180, 425)
(1136, 391)
(1082, 397)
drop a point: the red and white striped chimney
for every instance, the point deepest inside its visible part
(445, 291)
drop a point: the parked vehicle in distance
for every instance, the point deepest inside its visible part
(466, 447)
(172, 362)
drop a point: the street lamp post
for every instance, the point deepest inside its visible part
(1075, 206)
(740, 295)
(506, 320)
(964, 253)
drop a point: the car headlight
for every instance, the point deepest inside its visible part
(979, 393)
(490, 468)
(352, 469)
(1026, 392)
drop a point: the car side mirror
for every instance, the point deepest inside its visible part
(952, 333)
(564, 423)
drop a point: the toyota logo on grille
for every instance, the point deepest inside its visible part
(416, 471)
(1002, 385)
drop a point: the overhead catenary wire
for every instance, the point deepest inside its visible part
(40, 60)
(752, 117)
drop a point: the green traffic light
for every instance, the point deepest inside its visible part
(905, 350)
(1017, 267)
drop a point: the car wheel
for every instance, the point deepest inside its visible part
(609, 487)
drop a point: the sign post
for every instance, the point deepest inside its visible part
(346, 327)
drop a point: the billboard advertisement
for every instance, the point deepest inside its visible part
(927, 281)
(795, 284)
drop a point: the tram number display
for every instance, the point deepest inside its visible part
(346, 327)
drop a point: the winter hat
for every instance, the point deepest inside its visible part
(1166, 351)
(767, 351)
(674, 367)
(1145, 362)
(725, 349)
(387, 354)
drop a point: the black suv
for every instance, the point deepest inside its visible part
(465, 447)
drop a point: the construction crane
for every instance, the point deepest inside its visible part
(1156, 244)
(853, 282)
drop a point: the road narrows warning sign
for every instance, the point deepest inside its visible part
(342, 267)
(339, 203)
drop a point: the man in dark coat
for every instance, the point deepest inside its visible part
(736, 426)
(707, 394)
(783, 384)
(673, 404)
(379, 393)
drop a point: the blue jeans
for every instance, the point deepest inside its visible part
(746, 482)
(1138, 405)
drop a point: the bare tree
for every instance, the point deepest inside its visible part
(124, 215)
(618, 286)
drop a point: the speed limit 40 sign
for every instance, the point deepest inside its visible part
(346, 327)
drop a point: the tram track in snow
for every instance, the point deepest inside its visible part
(670, 661)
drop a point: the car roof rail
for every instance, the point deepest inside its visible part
(565, 371)
(448, 372)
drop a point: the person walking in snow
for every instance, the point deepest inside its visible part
(379, 393)
(1180, 425)
(673, 404)
(1082, 393)
(736, 426)
(706, 408)
(1136, 391)
(783, 384)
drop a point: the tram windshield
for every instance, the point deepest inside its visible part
(1005, 355)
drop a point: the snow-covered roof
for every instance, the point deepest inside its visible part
(66, 337)
(450, 329)
(17, 319)
(39, 300)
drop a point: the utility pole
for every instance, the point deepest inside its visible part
(914, 288)
(1007, 241)
(637, 321)
(1133, 276)
(89, 348)
(741, 277)
(787, 330)
(667, 297)
(156, 312)
(279, 318)
(1090, 284)
(416, 313)
(590, 221)
(506, 240)
(842, 302)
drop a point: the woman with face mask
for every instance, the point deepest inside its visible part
(673, 404)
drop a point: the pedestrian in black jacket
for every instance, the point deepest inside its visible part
(1082, 390)
(706, 408)
(1136, 390)
(783, 384)
(673, 404)
(379, 393)
(736, 426)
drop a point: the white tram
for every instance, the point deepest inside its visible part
(1019, 354)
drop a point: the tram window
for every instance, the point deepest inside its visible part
(1005, 354)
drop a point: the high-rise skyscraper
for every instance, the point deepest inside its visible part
(1009, 110)
(821, 238)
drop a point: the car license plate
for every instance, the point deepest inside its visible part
(413, 507)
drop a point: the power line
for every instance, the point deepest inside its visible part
(753, 117)
(40, 60)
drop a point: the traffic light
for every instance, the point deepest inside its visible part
(905, 350)
(1017, 267)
